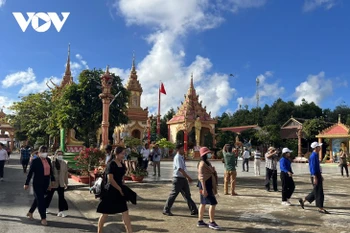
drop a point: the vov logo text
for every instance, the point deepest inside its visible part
(33, 18)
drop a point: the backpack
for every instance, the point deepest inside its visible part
(100, 187)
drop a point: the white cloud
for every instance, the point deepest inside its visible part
(266, 91)
(35, 87)
(310, 5)
(236, 5)
(177, 16)
(170, 21)
(5, 103)
(18, 78)
(82, 61)
(77, 66)
(2, 2)
(314, 89)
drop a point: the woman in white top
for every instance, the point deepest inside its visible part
(145, 156)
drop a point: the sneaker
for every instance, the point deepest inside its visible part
(214, 226)
(59, 214)
(287, 203)
(47, 212)
(202, 224)
(63, 215)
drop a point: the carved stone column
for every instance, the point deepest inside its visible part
(106, 97)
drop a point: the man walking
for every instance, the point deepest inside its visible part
(230, 169)
(246, 156)
(3, 158)
(316, 180)
(180, 184)
(271, 169)
(25, 156)
(156, 156)
(145, 156)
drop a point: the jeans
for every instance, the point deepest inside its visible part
(342, 167)
(245, 161)
(156, 165)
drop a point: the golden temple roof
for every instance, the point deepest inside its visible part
(133, 83)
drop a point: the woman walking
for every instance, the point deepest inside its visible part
(207, 182)
(286, 177)
(42, 170)
(114, 202)
(343, 163)
(60, 172)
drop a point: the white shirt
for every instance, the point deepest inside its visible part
(246, 155)
(145, 153)
(3, 155)
(108, 156)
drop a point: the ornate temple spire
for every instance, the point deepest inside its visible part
(133, 84)
(133, 68)
(68, 71)
(339, 118)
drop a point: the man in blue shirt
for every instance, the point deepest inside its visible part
(180, 184)
(316, 180)
(286, 175)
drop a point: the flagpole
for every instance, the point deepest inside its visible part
(158, 116)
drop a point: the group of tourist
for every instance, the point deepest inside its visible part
(51, 175)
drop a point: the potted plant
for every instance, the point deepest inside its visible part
(86, 161)
(138, 174)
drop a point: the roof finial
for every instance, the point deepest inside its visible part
(339, 118)
(68, 71)
(107, 69)
(133, 69)
(191, 80)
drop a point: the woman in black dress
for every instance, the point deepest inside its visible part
(115, 202)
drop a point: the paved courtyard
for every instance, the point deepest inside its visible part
(254, 210)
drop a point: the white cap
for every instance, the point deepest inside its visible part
(315, 144)
(286, 150)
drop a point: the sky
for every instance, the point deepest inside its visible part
(295, 48)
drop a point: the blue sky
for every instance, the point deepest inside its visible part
(297, 48)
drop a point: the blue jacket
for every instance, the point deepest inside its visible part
(314, 164)
(285, 165)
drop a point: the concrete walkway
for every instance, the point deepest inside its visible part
(254, 210)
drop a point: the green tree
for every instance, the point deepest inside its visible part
(163, 123)
(312, 127)
(32, 117)
(81, 108)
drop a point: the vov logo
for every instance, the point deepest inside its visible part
(48, 18)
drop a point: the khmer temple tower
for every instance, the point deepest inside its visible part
(192, 124)
(137, 124)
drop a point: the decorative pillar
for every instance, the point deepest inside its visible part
(169, 133)
(158, 124)
(106, 97)
(331, 150)
(63, 139)
(149, 130)
(11, 138)
(320, 154)
(300, 135)
(185, 141)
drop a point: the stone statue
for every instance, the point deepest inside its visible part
(198, 127)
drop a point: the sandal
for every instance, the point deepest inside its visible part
(30, 216)
(301, 203)
(323, 211)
